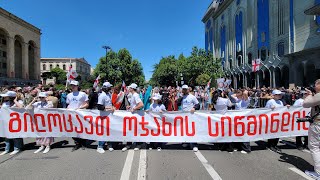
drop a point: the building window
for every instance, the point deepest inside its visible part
(44, 67)
(281, 49)
(263, 37)
(4, 53)
(4, 41)
(50, 66)
(250, 58)
(239, 58)
(263, 54)
(4, 65)
(64, 67)
(230, 63)
(238, 2)
(281, 15)
(58, 66)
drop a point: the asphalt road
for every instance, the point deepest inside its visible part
(173, 162)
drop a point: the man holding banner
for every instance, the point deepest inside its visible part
(104, 103)
(189, 103)
(77, 100)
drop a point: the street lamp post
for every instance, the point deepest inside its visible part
(105, 69)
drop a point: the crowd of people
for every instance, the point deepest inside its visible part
(133, 98)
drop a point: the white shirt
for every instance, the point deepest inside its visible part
(275, 103)
(222, 104)
(47, 104)
(241, 103)
(104, 99)
(188, 102)
(298, 102)
(76, 99)
(6, 104)
(20, 102)
(157, 107)
(134, 100)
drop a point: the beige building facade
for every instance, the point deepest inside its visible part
(19, 51)
(80, 65)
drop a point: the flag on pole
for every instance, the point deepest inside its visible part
(96, 82)
(124, 87)
(72, 74)
(256, 65)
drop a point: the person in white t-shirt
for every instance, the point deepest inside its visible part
(135, 105)
(189, 103)
(44, 142)
(105, 104)
(273, 104)
(242, 101)
(221, 102)
(10, 99)
(77, 100)
(299, 103)
(157, 107)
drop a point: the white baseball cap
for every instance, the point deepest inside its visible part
(156, 97)
(43, 94)
(9, 94)
(276, 92)
(76, 83)
(133, 86)
(107, 85)
(185, 87)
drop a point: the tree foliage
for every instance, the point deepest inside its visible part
(197, 69)
(120, 67)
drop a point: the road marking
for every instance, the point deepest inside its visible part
(125, 175)
(209, 168)
(300, 173)
(142, 165)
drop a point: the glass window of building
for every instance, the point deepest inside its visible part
(281, 49)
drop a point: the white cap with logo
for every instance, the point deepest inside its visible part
(133, 86)
(43, 94)
(276, 92)
(106, 85)
(76, 83)
(185, 87)
(156, 97)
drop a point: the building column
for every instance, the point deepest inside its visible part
(10, 57)
(25, 61)
(37, 72)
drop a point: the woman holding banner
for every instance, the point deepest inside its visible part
(44, 142)
(242, 101)
(10, 99)
(135, 105)
(157, 107)
(273, 103)
(221, 102)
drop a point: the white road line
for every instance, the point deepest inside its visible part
(142, 171)
(125, 175)
(209, 168)
(300, 173)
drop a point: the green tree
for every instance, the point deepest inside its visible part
(202, 79)
(120, 67)
(166, 72)
(59, 74)
(193, 67)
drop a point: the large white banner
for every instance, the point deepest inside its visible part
(201, 126)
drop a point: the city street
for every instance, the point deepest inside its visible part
(173, 162)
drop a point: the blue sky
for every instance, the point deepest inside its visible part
(149, 29)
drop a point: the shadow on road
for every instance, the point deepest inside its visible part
(296, 161)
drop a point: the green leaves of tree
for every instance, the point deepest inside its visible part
(120, 67)
(197, 69)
